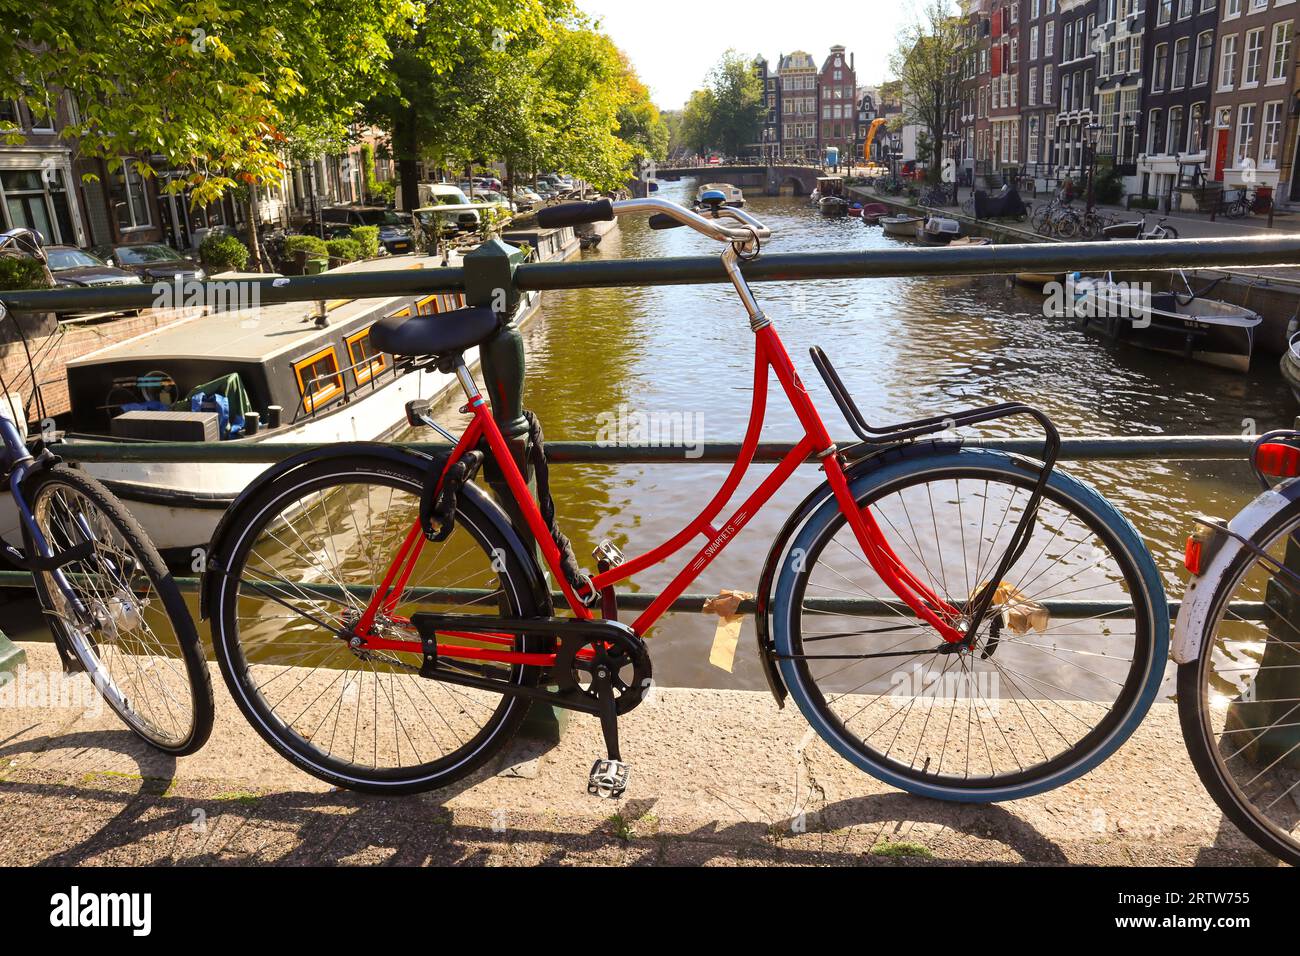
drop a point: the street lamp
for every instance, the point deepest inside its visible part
(1092, 134)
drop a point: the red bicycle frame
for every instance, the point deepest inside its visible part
(770, 354)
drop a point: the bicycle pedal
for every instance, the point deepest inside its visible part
(608, 779)
(608, 552)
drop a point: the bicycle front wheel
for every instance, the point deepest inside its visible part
(1239, 701)
(1064, 666)
(119, 613)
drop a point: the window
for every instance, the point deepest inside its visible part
(365, 360)
(1031, 140)
(1185, 8)
(1204, 51)
(1047, 83)
(126, 193)
(1271, 145)
(1049, 38)
(1033, 43)
(1160, 67)
(1175, 140)
(1033, 86)
(1280, 57)
(1232, 10)
(1196, 129)
(1155, 134)
(319, 381)
(1165, 12)
(1121, 57)
(1254, 43)
(1134, 54)
(1180, 63)
(1228, 62)
(1245, 133)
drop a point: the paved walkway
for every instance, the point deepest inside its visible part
(719, 777)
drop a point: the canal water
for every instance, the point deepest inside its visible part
(607, 364)
(621, 365)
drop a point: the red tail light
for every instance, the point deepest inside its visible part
(1193, 556)
(1278, 460)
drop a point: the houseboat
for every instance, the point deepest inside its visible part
(293, 372)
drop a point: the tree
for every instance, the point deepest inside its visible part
(725, 114)
(737, 102)
(930, 50)
(697, 121)
(217, 88)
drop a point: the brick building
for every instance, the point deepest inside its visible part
(797, 76)
(837, 110)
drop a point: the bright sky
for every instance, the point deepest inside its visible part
(672, 43)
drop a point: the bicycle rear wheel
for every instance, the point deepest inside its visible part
(133, 634)
(303, 558)
(1065, 664)
(1239, 702)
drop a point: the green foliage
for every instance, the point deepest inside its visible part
(367, 240)
(1109, 187)
(348, 250)
(23, 272)
(927, 63)
(383, 191)
(217, 88)
(314, 246)
(726, 113)
(222, 252)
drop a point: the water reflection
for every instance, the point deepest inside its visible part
(905, 347)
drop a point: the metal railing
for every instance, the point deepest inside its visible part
(495, 268)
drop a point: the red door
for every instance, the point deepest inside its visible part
(1220, 153)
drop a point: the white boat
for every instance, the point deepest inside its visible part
(1200, 329)
(735, 196)
(324, 384)
(938, 231)
(902, 226)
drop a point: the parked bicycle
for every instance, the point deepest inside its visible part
(958, 622)
(112, 606)
(1237, 642)
(1246, 201)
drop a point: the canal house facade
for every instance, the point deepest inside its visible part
(1076, 100)
(1004, 91)
(797, 75)
(1040, 38)
(837, 110)
(1179, 80)
(1250, 109)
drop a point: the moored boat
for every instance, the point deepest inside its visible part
(938, 231)
(735, 196)
(873, 211)
(1199, 329)
(971, 241)
(1291, 364)
(903, 226)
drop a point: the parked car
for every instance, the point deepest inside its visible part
(394, 233)
(151, 261)
(525, 198)
(446, 194)
(490, 197)
(76, 268)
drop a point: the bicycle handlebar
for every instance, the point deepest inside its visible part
(664, 215)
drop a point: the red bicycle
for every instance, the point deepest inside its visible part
(959, 622)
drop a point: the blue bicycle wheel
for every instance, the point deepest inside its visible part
(1062, 669)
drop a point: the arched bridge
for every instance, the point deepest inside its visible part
(801, 180)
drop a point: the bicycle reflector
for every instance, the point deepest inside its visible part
(1278, 460)
(1201, 545)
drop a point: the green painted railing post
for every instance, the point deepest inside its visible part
(490, 281)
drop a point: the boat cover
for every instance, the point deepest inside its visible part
(226, 397)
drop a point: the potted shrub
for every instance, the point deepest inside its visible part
(367, 237)
(299, 250)
(222, 252)
(343, 250)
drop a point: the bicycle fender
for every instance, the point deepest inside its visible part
(214, 566)
(1198, 599)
